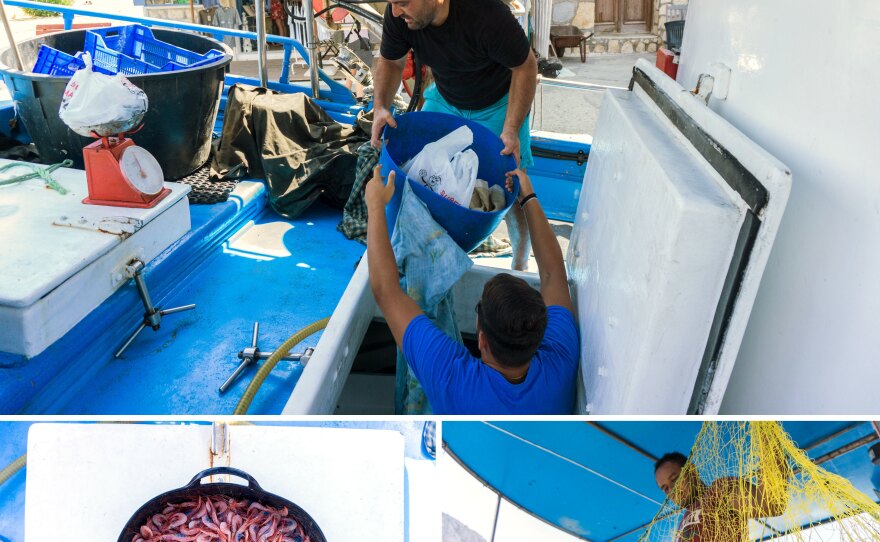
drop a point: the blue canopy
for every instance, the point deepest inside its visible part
(595, 480)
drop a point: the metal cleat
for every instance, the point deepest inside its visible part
(252, 354)
(152, 315)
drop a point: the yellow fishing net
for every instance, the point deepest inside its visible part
(748, 481)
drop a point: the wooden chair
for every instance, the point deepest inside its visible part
(562, 37)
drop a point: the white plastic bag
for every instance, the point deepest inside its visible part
(464, 165)
(446, 167)
(104, 104)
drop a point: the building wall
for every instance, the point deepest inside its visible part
(579, 13)
(582, 14)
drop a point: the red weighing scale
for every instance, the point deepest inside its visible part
(121, 174)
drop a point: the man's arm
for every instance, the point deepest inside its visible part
(386, 80)
(551, 266)
(397, 307)
(523, 81)
(769, 496)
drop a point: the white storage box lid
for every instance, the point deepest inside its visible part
(61, 258)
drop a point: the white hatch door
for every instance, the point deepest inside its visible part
(674, 226)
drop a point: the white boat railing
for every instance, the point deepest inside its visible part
(544, 82)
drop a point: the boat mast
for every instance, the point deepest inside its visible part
(260, 9)
(312, 44)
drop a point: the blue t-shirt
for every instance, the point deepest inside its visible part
(458, 383)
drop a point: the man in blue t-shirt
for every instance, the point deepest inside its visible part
(483, 70)
(528, 340)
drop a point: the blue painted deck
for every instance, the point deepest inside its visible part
(178, 369)
(613, 491)
(13, 443)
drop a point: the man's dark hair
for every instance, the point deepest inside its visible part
(672, 457)
(513, 317)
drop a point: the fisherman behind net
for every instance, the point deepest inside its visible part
(748, 481)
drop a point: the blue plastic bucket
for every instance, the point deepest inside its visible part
(415, 130)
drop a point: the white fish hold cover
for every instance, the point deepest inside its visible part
(104, 104)
(446, 167)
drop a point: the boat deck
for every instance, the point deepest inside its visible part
(241, 263)
(283, 274)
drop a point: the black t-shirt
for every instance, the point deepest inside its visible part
(470, 54)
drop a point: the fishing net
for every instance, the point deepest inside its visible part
(748, 481)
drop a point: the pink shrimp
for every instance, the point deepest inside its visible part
(176, 520)
(221, 519)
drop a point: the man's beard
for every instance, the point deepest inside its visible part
(416, 25)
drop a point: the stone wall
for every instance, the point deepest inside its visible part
(623, 45)
(660, 15)
(580, 13)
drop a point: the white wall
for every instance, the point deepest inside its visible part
(805, 86)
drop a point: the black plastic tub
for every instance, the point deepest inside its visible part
(177, 127)
(252, 492)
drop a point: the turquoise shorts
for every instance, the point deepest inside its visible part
(491, 117)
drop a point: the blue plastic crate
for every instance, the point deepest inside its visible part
(54, 62)
(137, 41)
(108, 61)
(111, 36)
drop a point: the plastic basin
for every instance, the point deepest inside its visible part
(415, 130)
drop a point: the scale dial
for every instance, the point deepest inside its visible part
(141, 170)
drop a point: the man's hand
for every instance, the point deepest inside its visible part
(377, 193)
(397, 307)
(510, 138)
(381, 117)
(525, 183)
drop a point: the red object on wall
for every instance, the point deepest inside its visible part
(666, 62)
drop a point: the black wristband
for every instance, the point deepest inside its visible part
(526, 199)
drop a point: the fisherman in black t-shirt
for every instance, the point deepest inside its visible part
(483, 69)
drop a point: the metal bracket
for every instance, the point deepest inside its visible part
(152, 315)
(252, 354)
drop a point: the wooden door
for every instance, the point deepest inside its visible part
(606, 16)
(634, 15)
(627, 16)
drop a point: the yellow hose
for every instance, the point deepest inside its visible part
(13, 467)
(252, 389)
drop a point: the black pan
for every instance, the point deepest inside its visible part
(195, 489)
